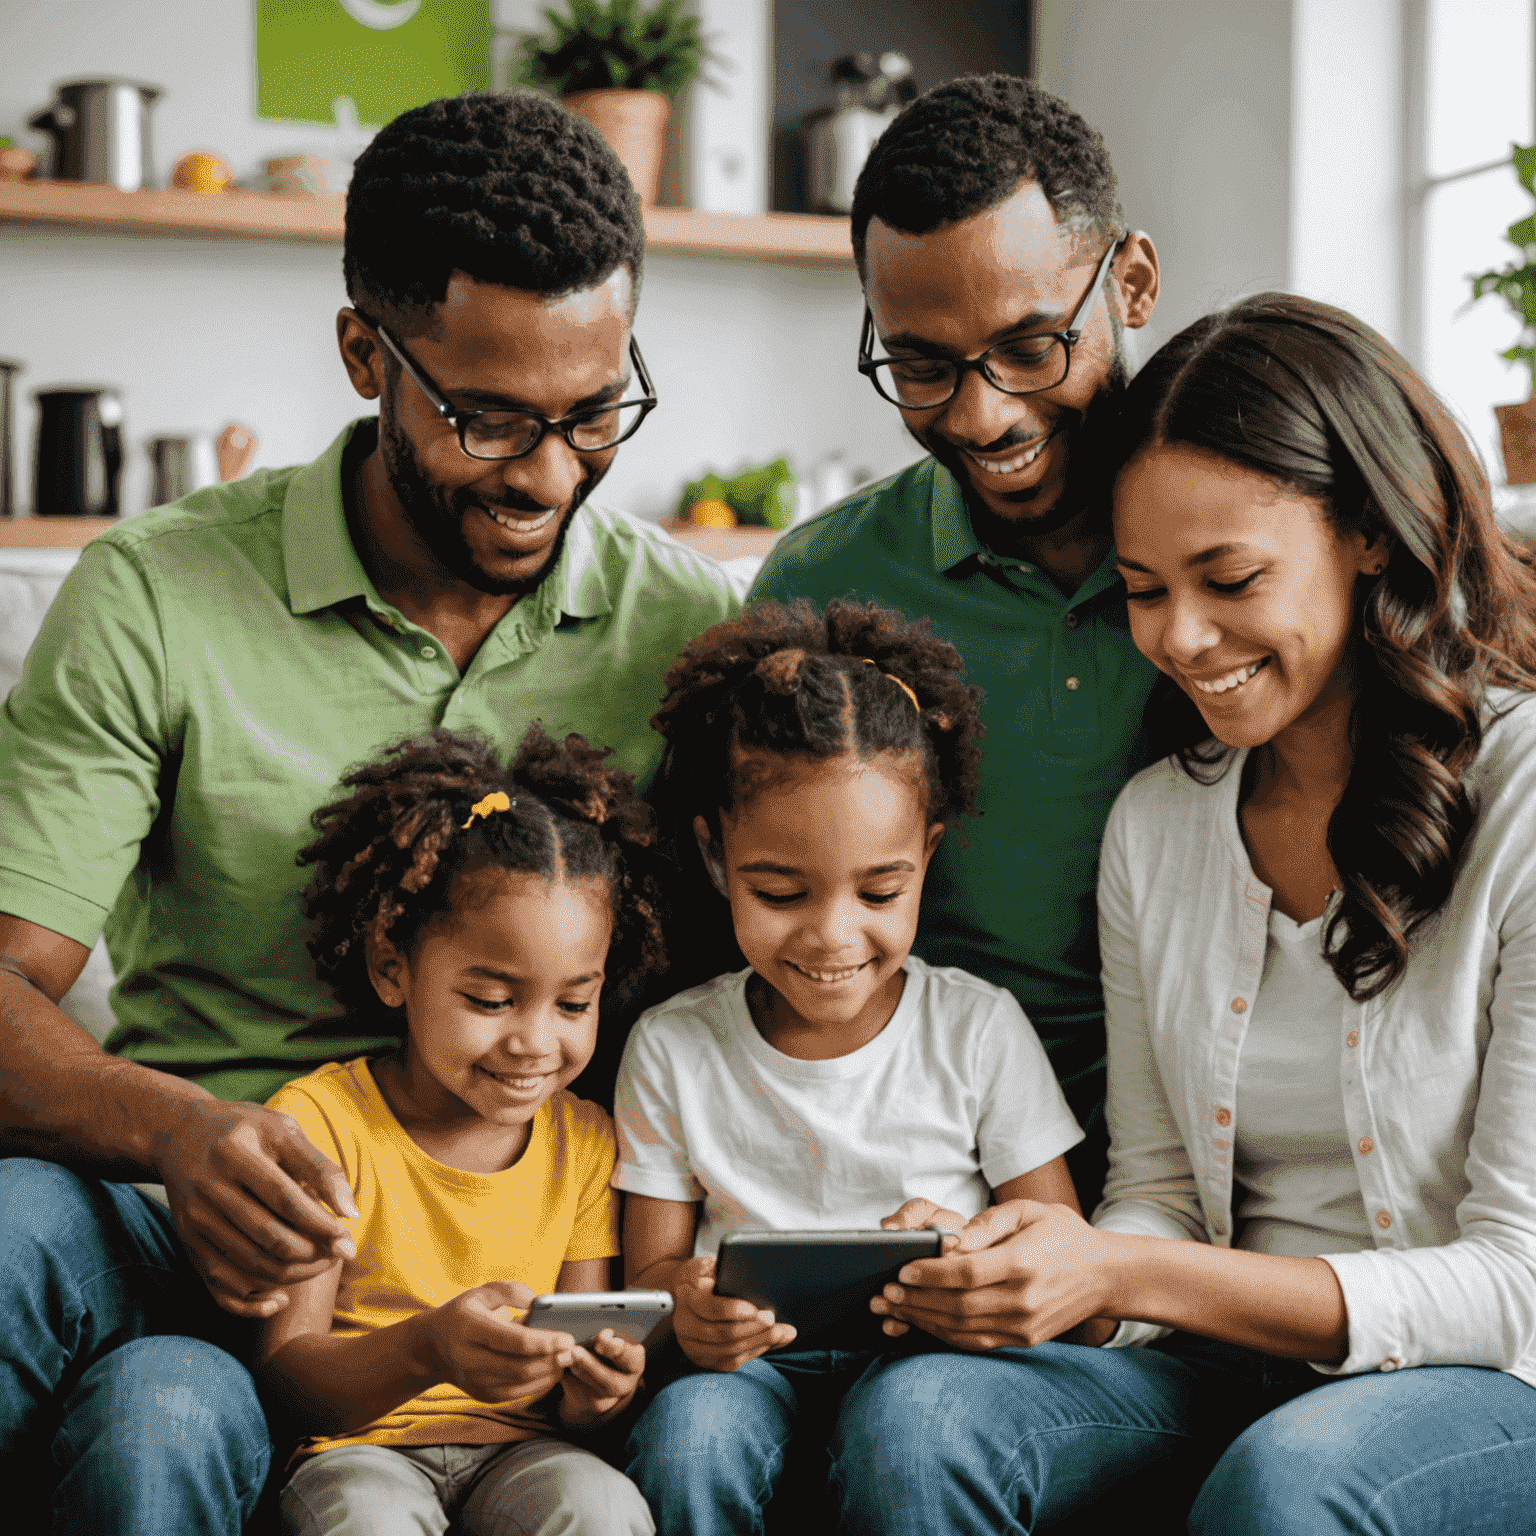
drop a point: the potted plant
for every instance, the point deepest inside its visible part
(1515, 283)
(618, 66)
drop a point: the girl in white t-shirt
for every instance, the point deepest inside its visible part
(835, 1083)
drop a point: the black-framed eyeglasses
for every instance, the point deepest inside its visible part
(514, 434)
(1022, 365)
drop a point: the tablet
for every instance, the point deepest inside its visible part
(821, 1281)
(633, 1315)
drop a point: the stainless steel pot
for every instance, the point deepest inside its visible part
(100, 131)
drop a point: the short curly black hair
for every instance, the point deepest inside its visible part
(389, 854)
(966, 145)
(510, 189)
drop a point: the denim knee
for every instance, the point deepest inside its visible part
(164, 1431)
(1295, 1470)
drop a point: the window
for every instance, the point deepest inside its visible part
(1479, 96)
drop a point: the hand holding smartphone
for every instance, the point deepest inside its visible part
(633, 1315)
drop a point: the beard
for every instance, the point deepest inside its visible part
(436, 515)
(992, 528)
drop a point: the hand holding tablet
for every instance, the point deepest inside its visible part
(820, 1283)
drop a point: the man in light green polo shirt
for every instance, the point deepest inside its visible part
(206, 675)
(999, 275)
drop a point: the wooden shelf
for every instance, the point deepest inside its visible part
(800, 238)
(77, 532)
(51, 532)
(724, 543)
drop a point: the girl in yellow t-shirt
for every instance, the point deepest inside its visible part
(486, 909)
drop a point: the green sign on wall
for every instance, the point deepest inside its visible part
(386, 55)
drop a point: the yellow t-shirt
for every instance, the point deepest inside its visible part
(426, 1232)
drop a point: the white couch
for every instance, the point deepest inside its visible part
(28, 580)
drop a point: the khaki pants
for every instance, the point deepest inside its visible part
(530, 1488)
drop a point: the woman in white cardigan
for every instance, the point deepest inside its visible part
(1318, 926)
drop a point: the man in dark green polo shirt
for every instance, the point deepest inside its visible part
(999, 275)
(203, 680)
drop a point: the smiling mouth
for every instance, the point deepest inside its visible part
(829, 978)
(517, 1082)
(1230, 680)
(520, 522)
(1015, 464)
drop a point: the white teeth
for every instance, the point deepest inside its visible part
(522, 524)
(830, 976)
(1012, 466)
(1234, 679)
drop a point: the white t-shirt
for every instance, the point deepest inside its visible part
(1294, 1164)
(952, 1098)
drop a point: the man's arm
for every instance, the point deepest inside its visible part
(247, 1190)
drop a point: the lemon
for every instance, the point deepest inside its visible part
(711, 512)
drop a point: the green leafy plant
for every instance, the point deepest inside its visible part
(615, 46)
(1515, 282)
(761, 497)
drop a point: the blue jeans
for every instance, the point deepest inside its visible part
(1015, 1440)
(119, 1399)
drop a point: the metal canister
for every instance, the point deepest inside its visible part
(100, 131)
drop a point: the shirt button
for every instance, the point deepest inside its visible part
(428, 652)
(1223, 1117)
(1073, 684)
(1352, 1038)
(1219, 1227)
(1239, 1006)
(1070, 621)
(1367, 1146)
(1383, 1220)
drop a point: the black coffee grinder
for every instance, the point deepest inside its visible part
(79, 453)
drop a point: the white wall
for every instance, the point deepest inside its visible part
(750, 360)
(1193, 98)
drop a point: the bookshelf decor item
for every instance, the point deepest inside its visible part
(618, 66)
(1515, 283)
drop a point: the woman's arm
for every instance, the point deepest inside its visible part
(1023, 1273)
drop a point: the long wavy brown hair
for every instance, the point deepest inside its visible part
(1316, 402)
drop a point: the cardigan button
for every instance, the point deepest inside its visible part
(1223, 1117)
(1366, 1145)
(1383, 1220)
(1352, 1038)
(1239, 1006)
(1391, 1363)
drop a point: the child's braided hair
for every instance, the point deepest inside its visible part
(794, 682)
(388, 855)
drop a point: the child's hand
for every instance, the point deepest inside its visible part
(913, 1214)
(490, 1358)
(720, 1333)
(600, 1380)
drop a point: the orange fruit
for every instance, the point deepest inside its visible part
(711, 513)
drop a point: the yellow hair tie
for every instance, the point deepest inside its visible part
(869, 662)
(495, 801)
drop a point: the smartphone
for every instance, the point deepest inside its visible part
(821, 1282)
(633, 1315)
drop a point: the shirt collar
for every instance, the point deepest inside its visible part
(955, 541)
(580, 575)
(323, 565)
